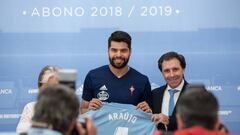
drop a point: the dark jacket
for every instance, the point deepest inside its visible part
(157, 98)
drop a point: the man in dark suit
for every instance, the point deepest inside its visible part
(197, 113)
(172, 66)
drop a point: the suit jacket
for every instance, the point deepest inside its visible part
(157, 97)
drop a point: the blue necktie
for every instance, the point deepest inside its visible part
(171, 101)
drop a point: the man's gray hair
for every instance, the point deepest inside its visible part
(198, 107)
(57, 106)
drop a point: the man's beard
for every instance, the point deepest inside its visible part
(125, 62)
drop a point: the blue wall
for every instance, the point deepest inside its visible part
(206, 32)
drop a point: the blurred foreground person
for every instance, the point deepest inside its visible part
(56, 113)
(47, 77)
(197, 114)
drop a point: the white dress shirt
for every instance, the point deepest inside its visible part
(166, 97)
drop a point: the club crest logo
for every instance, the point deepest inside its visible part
(103, 95)
(132, 89)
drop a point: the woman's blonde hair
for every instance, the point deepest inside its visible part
(47, 72)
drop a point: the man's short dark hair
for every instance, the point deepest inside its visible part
(120, 36)
(171, 55)
(57, 106)
(198, 107)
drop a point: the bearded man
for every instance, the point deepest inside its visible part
(116, 82)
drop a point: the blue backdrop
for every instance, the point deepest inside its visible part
(74, 33)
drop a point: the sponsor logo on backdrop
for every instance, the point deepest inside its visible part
(79, 90)
(10, 116)
(5, 91)
(225, 112)
(214, 88)
(32, 91)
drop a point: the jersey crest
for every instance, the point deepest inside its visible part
(103, 95)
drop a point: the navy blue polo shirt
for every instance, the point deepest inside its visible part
(132, 88)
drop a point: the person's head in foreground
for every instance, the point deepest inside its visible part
(197, 107)
(56, 110)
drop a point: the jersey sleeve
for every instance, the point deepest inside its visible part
(87, 94)
(147, 93)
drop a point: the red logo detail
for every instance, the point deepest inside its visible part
(131, 89)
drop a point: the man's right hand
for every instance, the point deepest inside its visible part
(89, 105)
(94, 104)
